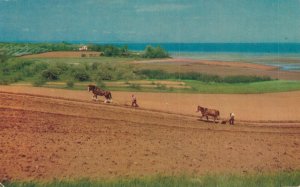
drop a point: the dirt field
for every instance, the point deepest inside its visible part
(64, 54)
(48, 133)
(247, 107)
(221, 68)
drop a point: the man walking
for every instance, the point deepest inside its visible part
(231, 119)
(133, 101)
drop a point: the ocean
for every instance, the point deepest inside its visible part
(286, 56)
(222, 47)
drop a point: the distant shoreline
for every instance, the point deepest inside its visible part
(214, 47)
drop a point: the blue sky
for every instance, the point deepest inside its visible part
(150, 20)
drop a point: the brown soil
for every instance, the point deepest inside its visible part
(210, 62)
(282, 106)
(64, 54)
(48, 133)
(221, 68)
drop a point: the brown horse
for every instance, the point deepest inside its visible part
(97, 91)
(208, 112)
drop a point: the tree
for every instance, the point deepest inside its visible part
(3, 57)
(158, 52)
(124, 50)
(52, 73)
(81, 75)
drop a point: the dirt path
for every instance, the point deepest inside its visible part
(49, 135)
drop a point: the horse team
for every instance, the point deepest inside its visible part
(206, 112)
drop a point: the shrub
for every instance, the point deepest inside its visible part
(81, 76)
(155, 52)
(4, 81)
(62, 67)
(161, 74)
(15, 66)
(105, 72)
(79, 73)
(245, 79)
(51, 73)
(70, 83)
(153, 74)
(161, 86)
(135, 86)
(124, 72)
(100, 84)
(94, 66)
(39, 81)
(39, 66)
(110, 50)
(16, 77)
(3, 56)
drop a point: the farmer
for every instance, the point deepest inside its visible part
(133, 101)
(231, 119)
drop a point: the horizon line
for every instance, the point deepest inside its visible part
(142, 42)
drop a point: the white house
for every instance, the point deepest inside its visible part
(83, 48)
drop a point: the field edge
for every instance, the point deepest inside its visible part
(282, 178)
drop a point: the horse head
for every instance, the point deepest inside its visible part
(200, 109)
(91, 87)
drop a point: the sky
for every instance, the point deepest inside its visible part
(197, 21)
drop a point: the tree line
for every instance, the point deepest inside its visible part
(21, 49)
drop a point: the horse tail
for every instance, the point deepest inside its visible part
(109, 95)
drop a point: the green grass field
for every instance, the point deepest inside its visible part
(192, 87)
(244, 88)
(229, 180)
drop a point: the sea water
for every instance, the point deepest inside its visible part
(286, 61)
(286, 56)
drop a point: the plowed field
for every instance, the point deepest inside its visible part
(48, 133)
